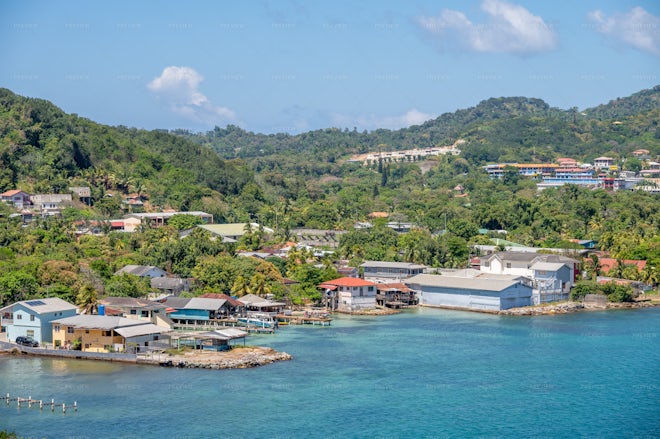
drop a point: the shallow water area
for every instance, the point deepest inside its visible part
(420, 373)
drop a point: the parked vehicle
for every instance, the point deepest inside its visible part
(27, 341)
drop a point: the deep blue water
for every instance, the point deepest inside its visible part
(422, 373)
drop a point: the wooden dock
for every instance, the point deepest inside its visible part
(303, 320)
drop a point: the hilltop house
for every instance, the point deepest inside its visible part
(84, 193)
(50, 204)
(142, 271)
(32, 318)
(233, 231)
(158, 219)
(18, 198)
(349, 294)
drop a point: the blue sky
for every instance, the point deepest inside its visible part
(293, 66)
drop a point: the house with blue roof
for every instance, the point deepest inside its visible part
(32, 318)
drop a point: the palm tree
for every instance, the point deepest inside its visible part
(87, 299)
(240, 287)
(259, 286)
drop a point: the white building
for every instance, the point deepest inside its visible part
(349, 294)
(493, 293)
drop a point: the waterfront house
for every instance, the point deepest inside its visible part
(349, 294)
(254, 303)
(377, 271)
(142, 271)
(395, 295)
(494, 293)
(95, 333)
(231, 307)
(33, 318)
(553, 275)
(198, 310)
(18, 198)
(520, 263)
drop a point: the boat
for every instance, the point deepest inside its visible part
(259, 320)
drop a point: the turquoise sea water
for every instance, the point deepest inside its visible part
(422, 373)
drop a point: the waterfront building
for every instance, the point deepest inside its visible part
(552, 275)
(32, 318)
(95, 333)
(349, 294)
(493, 293)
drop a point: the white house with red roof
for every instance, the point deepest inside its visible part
(349, 294)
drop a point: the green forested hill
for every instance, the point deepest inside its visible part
(43, 149)
(497, 129)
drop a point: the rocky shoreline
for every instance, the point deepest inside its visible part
(570, 307)
(237, 358)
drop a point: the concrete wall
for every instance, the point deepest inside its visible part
(348, 303)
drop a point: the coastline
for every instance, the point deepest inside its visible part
(571, 307)
(236, 358)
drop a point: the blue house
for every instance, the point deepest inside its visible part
(33, 318)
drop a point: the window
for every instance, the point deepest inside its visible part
(107, 333)
(56, 328)
(32, 317)
(70, 330)
(508, 265)
(19, 316)
(133, 312)
(486, 263)
(86, 331)
(30, 333)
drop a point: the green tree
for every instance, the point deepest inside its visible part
(87, 299)
(128, 285)
(184, 221)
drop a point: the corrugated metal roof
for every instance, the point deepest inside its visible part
(547, 266)
(348, 282)
(401, 265)
(98, 322)
(139, 330)
(434, 280)
(205, 304)
(51, 304)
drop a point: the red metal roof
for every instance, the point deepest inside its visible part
(349, 282)
(11, 193)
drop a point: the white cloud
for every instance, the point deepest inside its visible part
(372, 121)
(509, 28)
(637, 28)
(179, 88)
